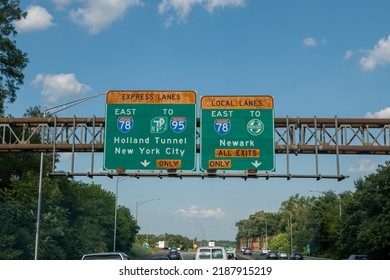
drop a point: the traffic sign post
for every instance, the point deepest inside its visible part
(237, 133)
(150, 130)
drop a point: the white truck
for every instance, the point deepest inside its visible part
(265, 251)
(211, 253)
(163, 244)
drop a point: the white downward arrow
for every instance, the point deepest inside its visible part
(256, 163)
(145, 163)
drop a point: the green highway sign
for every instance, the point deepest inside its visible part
(150, 130)
(237, 133)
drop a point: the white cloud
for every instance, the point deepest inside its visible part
(60, 4)
(363, 166)
(96, 15)
(384, 113)
(169, 21)
(309, 42)
(56, 86)
(212, 4)
(380, 55)
(182, 8)
(38, 18)
(195, 212)
(348, 54)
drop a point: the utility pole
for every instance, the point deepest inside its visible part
(291, 237)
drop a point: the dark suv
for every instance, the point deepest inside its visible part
(174, 255)
(358, 257)
(271, 255)
(247, 251)
(296, 256)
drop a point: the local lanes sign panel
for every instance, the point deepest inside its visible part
(150, 130)
(237, 133)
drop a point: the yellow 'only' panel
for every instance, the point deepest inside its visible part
(214, 164)
(168, 163)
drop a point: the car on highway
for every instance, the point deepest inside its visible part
(160, 258)
(247, 251)
(282, 255)
(296, 256)
(271, 255)
(106, 256)
(174, 255)
(231, 255)
(358, 257)
(211, 253)
(265, 251)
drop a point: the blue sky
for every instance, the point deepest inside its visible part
(317, 58)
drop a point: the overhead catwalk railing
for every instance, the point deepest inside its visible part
(293, 136)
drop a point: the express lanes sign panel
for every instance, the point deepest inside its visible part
(149, 130)
(237, 133)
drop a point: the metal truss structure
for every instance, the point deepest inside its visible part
(293, 136)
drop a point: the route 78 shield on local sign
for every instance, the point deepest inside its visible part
(237, 133)
(150, 130)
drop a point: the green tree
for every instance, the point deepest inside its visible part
(366, 216)
(325, 226)
(127, 229)
(151, 239)
(280, 242)
(12, 60)
(34, 112)
(17, 219)
(294, 220)
(176, 240)
(258, 225)
(91, 216)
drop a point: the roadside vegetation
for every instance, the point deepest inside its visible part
(77, 218)
(327, 224)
